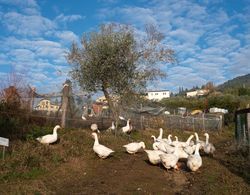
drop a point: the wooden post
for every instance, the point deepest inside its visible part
(203, 122)
(248, 129)
(193, 123)
(32, 94)
(180, 122)
(65, 102)
(3, 152)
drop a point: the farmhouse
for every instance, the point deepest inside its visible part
(158, 95)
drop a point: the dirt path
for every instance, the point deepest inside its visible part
(133, 174)
(125, 174)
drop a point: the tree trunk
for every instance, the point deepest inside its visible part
(111, 105)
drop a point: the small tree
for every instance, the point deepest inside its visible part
(117, 62)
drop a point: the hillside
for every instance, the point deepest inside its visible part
(236, 83)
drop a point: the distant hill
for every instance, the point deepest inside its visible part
(238, 82)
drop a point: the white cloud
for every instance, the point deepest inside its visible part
(23, 3)
(67, 36)
(68, 18)
(138, 14)
(27, 25)
(29, 7)
(184, 35)
(239, 61)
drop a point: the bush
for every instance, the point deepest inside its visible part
(13, 121)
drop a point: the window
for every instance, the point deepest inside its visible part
(156, 93)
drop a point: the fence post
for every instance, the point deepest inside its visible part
(180, 123)
(65, 102)
(33, 90)
(193, 123)
(141, 118)
(248, 130)
(203, 122)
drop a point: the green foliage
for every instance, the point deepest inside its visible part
(227, 101)
(189, 103)
(244, 91)
(37, 131)
(12, 121)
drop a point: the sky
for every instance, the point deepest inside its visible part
(211, 38)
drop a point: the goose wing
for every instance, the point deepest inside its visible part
(47, 139)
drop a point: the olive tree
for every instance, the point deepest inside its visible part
(117, 61)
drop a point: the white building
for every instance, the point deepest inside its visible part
(47, 105)
(199, 92)
(158, 95)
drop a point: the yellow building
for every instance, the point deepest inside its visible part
(46, 105)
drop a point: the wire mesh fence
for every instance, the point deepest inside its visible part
(73, 110)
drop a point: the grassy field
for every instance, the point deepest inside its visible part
(71, 167)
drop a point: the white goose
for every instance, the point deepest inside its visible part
(189, 149)
(83, 117)
(153, 156)
(174, 143)
(209, 147)
(159, 138)
(127, 129)
(50, 138)
(112, 128)
(164, 147)
(155, 144)
(202, 143)
(181, 152)
(170, 160)
(154, 138)
(194, 161)
(101, 150)
(183, 144)
(94, 128)
(134, 147)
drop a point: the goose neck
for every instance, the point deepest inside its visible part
(154, 138)
(197, 149)
(197, 137)
(55, 131)
(128, 123)
(207, 139)
(161, 133)
(96, 140)
(189, 139)
(169, 138)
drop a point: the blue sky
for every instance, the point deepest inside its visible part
(211, 38)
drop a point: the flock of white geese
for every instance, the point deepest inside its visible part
(165, 150)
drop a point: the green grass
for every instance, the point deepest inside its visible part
(30, 160)
(15, 175)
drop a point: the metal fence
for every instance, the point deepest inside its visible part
(67, 109)
(178, 122)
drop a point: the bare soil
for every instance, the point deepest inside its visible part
(82, 172)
